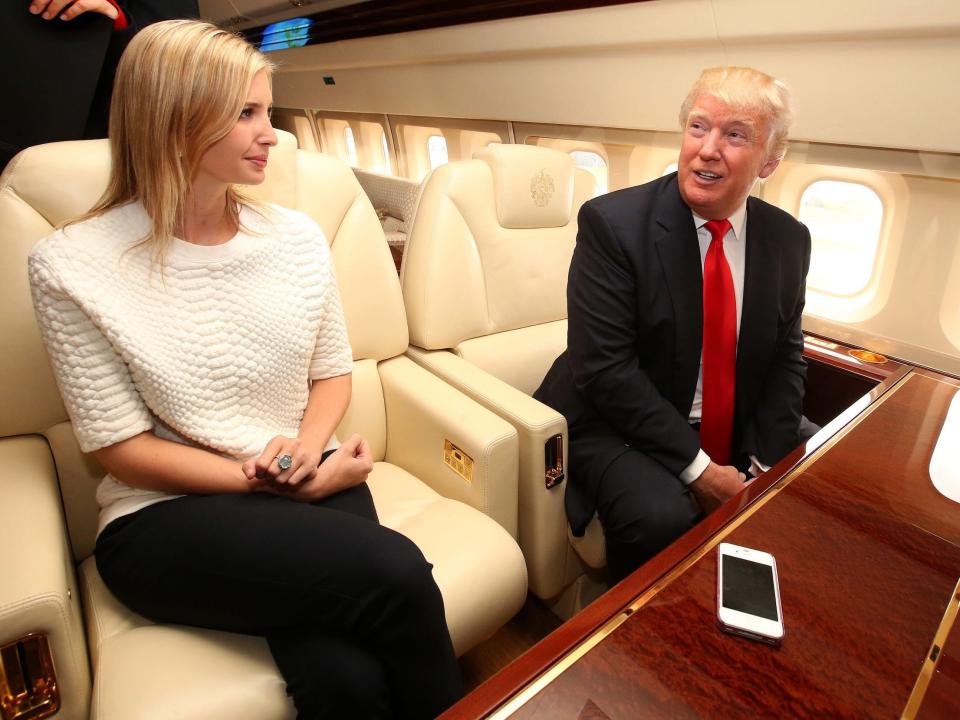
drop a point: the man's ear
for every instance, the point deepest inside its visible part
(768, 168)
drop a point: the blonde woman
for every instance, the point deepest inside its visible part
(201, 351)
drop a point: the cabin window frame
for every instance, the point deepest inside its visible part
(949, 314)
(785, 189)
(366, 129)
(437, 155)
(298, 123)
(463, 139)
(876, 255)
(350, 144)
(633, 157)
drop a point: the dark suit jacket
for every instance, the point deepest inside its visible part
(59, 75)
(635, 307)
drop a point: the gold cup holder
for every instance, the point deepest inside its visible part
(867, 356)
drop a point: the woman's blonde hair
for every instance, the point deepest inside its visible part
(751, 91)
(180, 87)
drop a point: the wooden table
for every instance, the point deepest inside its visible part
(868, 553)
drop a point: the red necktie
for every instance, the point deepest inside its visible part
(719, 348)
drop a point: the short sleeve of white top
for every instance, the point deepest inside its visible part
(216, 349)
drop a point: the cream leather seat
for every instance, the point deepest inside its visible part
(484, 283)
(47, 507)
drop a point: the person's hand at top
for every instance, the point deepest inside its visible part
(53, 8)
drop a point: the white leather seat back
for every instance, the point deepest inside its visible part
(41, 188)
(32, 204)
(489, 253)
(485, 277)
(369, 287)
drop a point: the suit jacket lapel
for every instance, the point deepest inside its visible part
(761, 279)
(679, 253)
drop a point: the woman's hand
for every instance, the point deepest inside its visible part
(349, 465)
(53, 8)
(301, 459)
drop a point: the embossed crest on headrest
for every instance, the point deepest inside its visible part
(542, 188)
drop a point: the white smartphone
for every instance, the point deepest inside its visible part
(748, 594)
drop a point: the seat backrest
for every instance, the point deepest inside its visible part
(47, 185)
(485, 272)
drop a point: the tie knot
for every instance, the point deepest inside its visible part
(718, 229)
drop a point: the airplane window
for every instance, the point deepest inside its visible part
(845, 219)
(351, 146)
(672, 167)
(594, 164)
(385, 153)
(437, 148)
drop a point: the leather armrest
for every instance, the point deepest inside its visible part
(422, 413)
(38, 591)
(543, 521)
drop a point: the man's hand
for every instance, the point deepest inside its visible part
(716, 485)
(53, 8)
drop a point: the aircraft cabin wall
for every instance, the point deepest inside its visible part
(874, 166)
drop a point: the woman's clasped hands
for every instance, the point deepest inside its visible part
(288, 466)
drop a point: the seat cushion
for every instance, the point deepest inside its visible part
(477, 565)
(519, 357)
(144, 671)
(152, 671)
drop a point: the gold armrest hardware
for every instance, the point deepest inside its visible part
(28, 683)
(553, 461)
(458, 461)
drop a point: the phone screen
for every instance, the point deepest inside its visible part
(748, 587)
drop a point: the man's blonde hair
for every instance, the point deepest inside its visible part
(180, 87)
(749, 91)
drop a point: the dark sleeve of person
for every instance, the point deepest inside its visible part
(141, 13)
(772, 431)
(138, 14)
(604, 344)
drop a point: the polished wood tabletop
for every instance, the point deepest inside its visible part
(868, 553)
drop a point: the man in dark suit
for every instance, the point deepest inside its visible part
(684, 366)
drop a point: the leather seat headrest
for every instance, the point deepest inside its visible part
(533, 186)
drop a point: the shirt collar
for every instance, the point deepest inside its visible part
(737, 220)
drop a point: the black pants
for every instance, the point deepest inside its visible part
(349, 608)
(643, 507)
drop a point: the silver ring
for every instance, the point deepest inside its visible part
(284, 461)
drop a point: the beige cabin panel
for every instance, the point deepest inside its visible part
(629, 66)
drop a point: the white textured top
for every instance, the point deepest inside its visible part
(217, 350)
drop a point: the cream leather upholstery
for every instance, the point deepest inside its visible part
(143, 670)
(484, 283)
